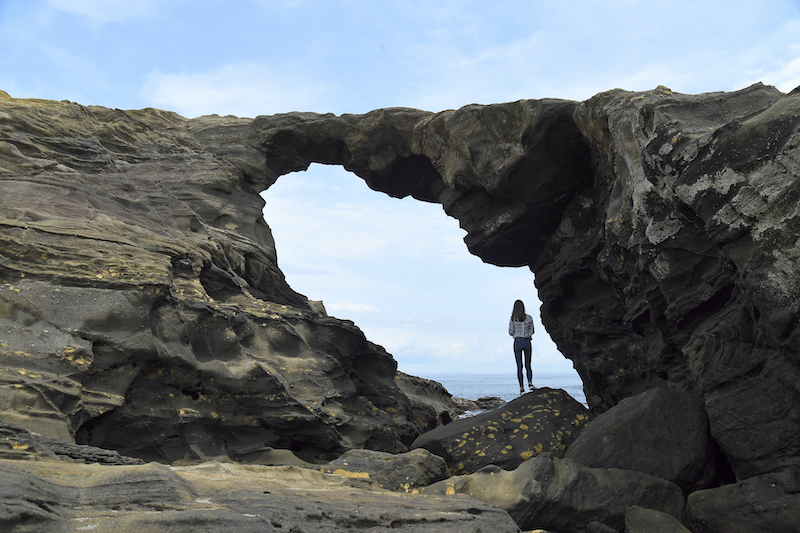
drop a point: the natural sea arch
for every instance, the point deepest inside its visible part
(400, 270)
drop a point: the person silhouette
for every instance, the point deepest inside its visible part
(521, 328)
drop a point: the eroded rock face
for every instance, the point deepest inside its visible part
(142, 308)
(662, 229)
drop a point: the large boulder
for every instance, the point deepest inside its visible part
(562, 495)
(400, 472)
(141, 304)
(770, 502)
(660, 432)
(641, 520)
(546, 420)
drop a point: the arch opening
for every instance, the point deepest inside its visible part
(399, 269)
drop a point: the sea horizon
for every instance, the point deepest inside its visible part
(505, 386)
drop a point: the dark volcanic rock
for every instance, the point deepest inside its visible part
(641, 520)
(770, 502)
(405, 471)
(662, 229)
(142, 308)
(675, 265)
(546, 420)
(17, 442)
(561, 495)
(660, 432)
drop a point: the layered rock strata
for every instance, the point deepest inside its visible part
(49, 495)
(141, 295)
(142, 308)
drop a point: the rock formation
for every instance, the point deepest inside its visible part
(662, 229)
(142, 308)
(660, 432)
(141, 294)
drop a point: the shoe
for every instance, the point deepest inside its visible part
(531, 387)
(522, 390)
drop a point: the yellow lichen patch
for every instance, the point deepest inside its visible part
(527, 454)
(19, 446)
(346, 473)
(523, 426)
(450, 490)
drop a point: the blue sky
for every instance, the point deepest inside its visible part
(398, 268)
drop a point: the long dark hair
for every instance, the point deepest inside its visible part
(518, 314)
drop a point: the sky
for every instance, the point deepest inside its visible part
(397, 268)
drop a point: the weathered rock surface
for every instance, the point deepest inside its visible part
(427, 395)
(641, 520)
(400, 472)
(563, 496)
(770, 502)
(546, 420)
(142, 308)
(662, 229)
(140, 293)
(17, 442)
(660, 432)
(55, 496)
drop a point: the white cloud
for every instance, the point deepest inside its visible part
(243, 89)
(566, 52)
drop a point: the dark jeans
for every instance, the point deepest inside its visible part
(523, 345)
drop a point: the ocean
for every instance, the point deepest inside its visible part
(505, 386)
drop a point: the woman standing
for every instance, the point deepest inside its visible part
(521, 328)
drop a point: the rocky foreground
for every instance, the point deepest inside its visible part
(156, 371)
